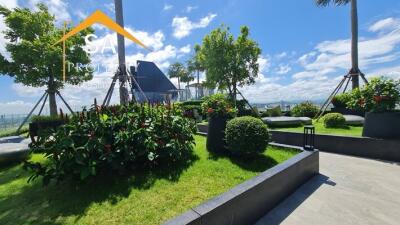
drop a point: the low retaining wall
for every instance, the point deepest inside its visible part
(356, 146)
(249, 201)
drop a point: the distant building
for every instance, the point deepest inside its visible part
(153, 82)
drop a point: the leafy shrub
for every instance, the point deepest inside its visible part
(340, 101)
(334, 120)
(218, 105)
(244, 110)
(193, 102)
(189, 108)
(246, 136)
(307, 109)
(380, 95)
(114, 139)
(274, 112)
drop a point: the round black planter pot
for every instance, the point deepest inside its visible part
(216, 134)
(382, 125)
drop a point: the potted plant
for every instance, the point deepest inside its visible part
(219, 110)
(379, 100)
(340, 102)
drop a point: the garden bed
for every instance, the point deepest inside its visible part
(141, 198)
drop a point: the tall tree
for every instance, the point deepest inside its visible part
(195, 66)
(34, 59)
(229, 63)
(177, 70)
(187, 77)
(354, 35)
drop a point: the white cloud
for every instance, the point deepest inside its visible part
(183, 26)
(9, 4)
(15, 106)
(190, 8)
(283, 69)
(264, 63)
(110, 7)
(385, 24)
(58, 8)
(185, 49)
(281, 55)
(168, 7)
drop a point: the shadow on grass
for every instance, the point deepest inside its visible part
(34, 204)
(254, 163)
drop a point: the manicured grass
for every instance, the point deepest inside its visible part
(145, 198)
(320, 129)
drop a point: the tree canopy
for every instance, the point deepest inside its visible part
(178, 70)
(34, 60)
(229, 63)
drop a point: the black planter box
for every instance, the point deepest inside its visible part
(216, 134)
(346, 111)
(35, 127)
(384, 125)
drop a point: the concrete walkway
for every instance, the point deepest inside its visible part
(349, 190)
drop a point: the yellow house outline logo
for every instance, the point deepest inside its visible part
(101, 18)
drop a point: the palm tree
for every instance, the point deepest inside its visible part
(177, 70)
(194, 65)
(354, 35)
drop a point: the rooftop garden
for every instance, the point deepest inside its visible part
(151, 197)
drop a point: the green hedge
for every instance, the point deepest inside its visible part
(334, 120)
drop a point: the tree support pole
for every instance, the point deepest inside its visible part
(30, 113)
(66, 104)
(44, 103)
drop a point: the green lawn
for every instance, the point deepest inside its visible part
(13, 131)
(320, 129)
(145, 198)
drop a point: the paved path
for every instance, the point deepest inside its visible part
(349, 190)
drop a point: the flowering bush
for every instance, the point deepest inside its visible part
(218, 105)
(114, 138)
(380, 95)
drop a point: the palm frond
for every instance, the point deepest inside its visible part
(335, 2)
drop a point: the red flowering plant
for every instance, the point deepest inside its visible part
(380, 95)
(218, 105)
(115, 138)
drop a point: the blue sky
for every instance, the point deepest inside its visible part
(305, 49)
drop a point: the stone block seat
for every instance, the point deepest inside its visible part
(286, 121)
(13, 149)
(354, 120)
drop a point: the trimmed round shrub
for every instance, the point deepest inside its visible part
(246, 136)
(307, 109)
(334, 120)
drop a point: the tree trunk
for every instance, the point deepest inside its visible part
(123, 91)
(197, 86)
(354, 44)
(52, 96)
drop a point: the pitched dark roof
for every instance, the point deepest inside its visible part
(151, 78)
